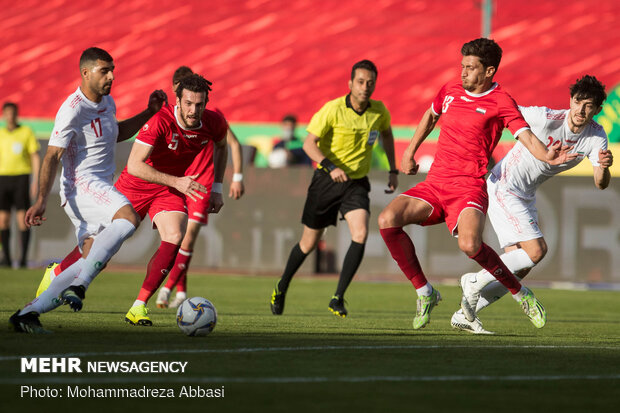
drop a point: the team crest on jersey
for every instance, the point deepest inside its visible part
(372, 136)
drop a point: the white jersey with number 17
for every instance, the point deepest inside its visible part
(521, 173)
(88, 131)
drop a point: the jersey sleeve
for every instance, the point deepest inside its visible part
(437, 105)
(321, 122)
(509, 113)
(64, 127)
(222, 127)
(32, 144)
(386, 120)
(151, 131)
(599, 143)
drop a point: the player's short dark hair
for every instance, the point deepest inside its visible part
(92, 54)
(194, 83)
(289, 118)
(364, 64)
(180, 73)
(489, 52)
(589, 87)
(10, 105)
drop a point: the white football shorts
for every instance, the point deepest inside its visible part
(514, 219)
(91, 207)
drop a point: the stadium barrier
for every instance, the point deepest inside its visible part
(255, 234)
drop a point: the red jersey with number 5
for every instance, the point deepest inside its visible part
(174, 148)
(471, 127)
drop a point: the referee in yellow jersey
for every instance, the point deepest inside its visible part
(19, 157)
(340, 140)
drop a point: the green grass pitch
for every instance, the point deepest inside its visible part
(310, 360)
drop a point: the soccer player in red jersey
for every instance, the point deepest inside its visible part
(197, 209)
(475, 111)
(155, 181)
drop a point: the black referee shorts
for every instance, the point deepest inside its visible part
(326, 198)
(14, 192)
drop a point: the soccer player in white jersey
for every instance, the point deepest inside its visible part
(512, 188)
(84, 138)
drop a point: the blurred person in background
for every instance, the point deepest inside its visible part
(19, 158)
(512, 186)
(289, 149)
(340, 139)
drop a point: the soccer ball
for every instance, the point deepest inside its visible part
(196, 316)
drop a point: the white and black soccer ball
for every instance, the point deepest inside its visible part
(196, 316)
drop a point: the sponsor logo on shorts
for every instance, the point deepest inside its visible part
(498, 272)
(164, 271)
(145, 127)
(475, 204)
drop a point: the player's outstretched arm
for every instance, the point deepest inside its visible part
(602, 176)
(425, 127)
(129, 127)
(236, 186)
(314, 153)
(555, 155)
(34, 214)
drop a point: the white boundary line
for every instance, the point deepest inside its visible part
(192, 381)
(306, 348)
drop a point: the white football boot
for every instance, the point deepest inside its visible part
(162, 298)
(459, 322)
(471, 295)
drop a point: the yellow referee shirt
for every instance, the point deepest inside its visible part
(16, 146)
(345, 137)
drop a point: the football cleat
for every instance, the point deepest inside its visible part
(73, 295)
(470, 297)
(425, 305)
(27, 323)
(137, 316)
(336, 306)
(277, 301)
(533, 309)
(162, 298)
(48, 276)
(460, 322)
(178, 300)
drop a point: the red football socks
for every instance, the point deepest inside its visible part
(402, 250)
(490, 261)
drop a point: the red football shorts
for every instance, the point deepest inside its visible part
(448, 200)
(164, 199)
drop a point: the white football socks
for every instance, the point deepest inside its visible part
(492, 290)
(106, 244)
(426, 290)
(48, 300)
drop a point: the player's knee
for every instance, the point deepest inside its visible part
(387, 219)
(470, 246)
(538, 253)
(359, 235)
(307, 246)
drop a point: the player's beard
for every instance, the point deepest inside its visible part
(189, 122)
